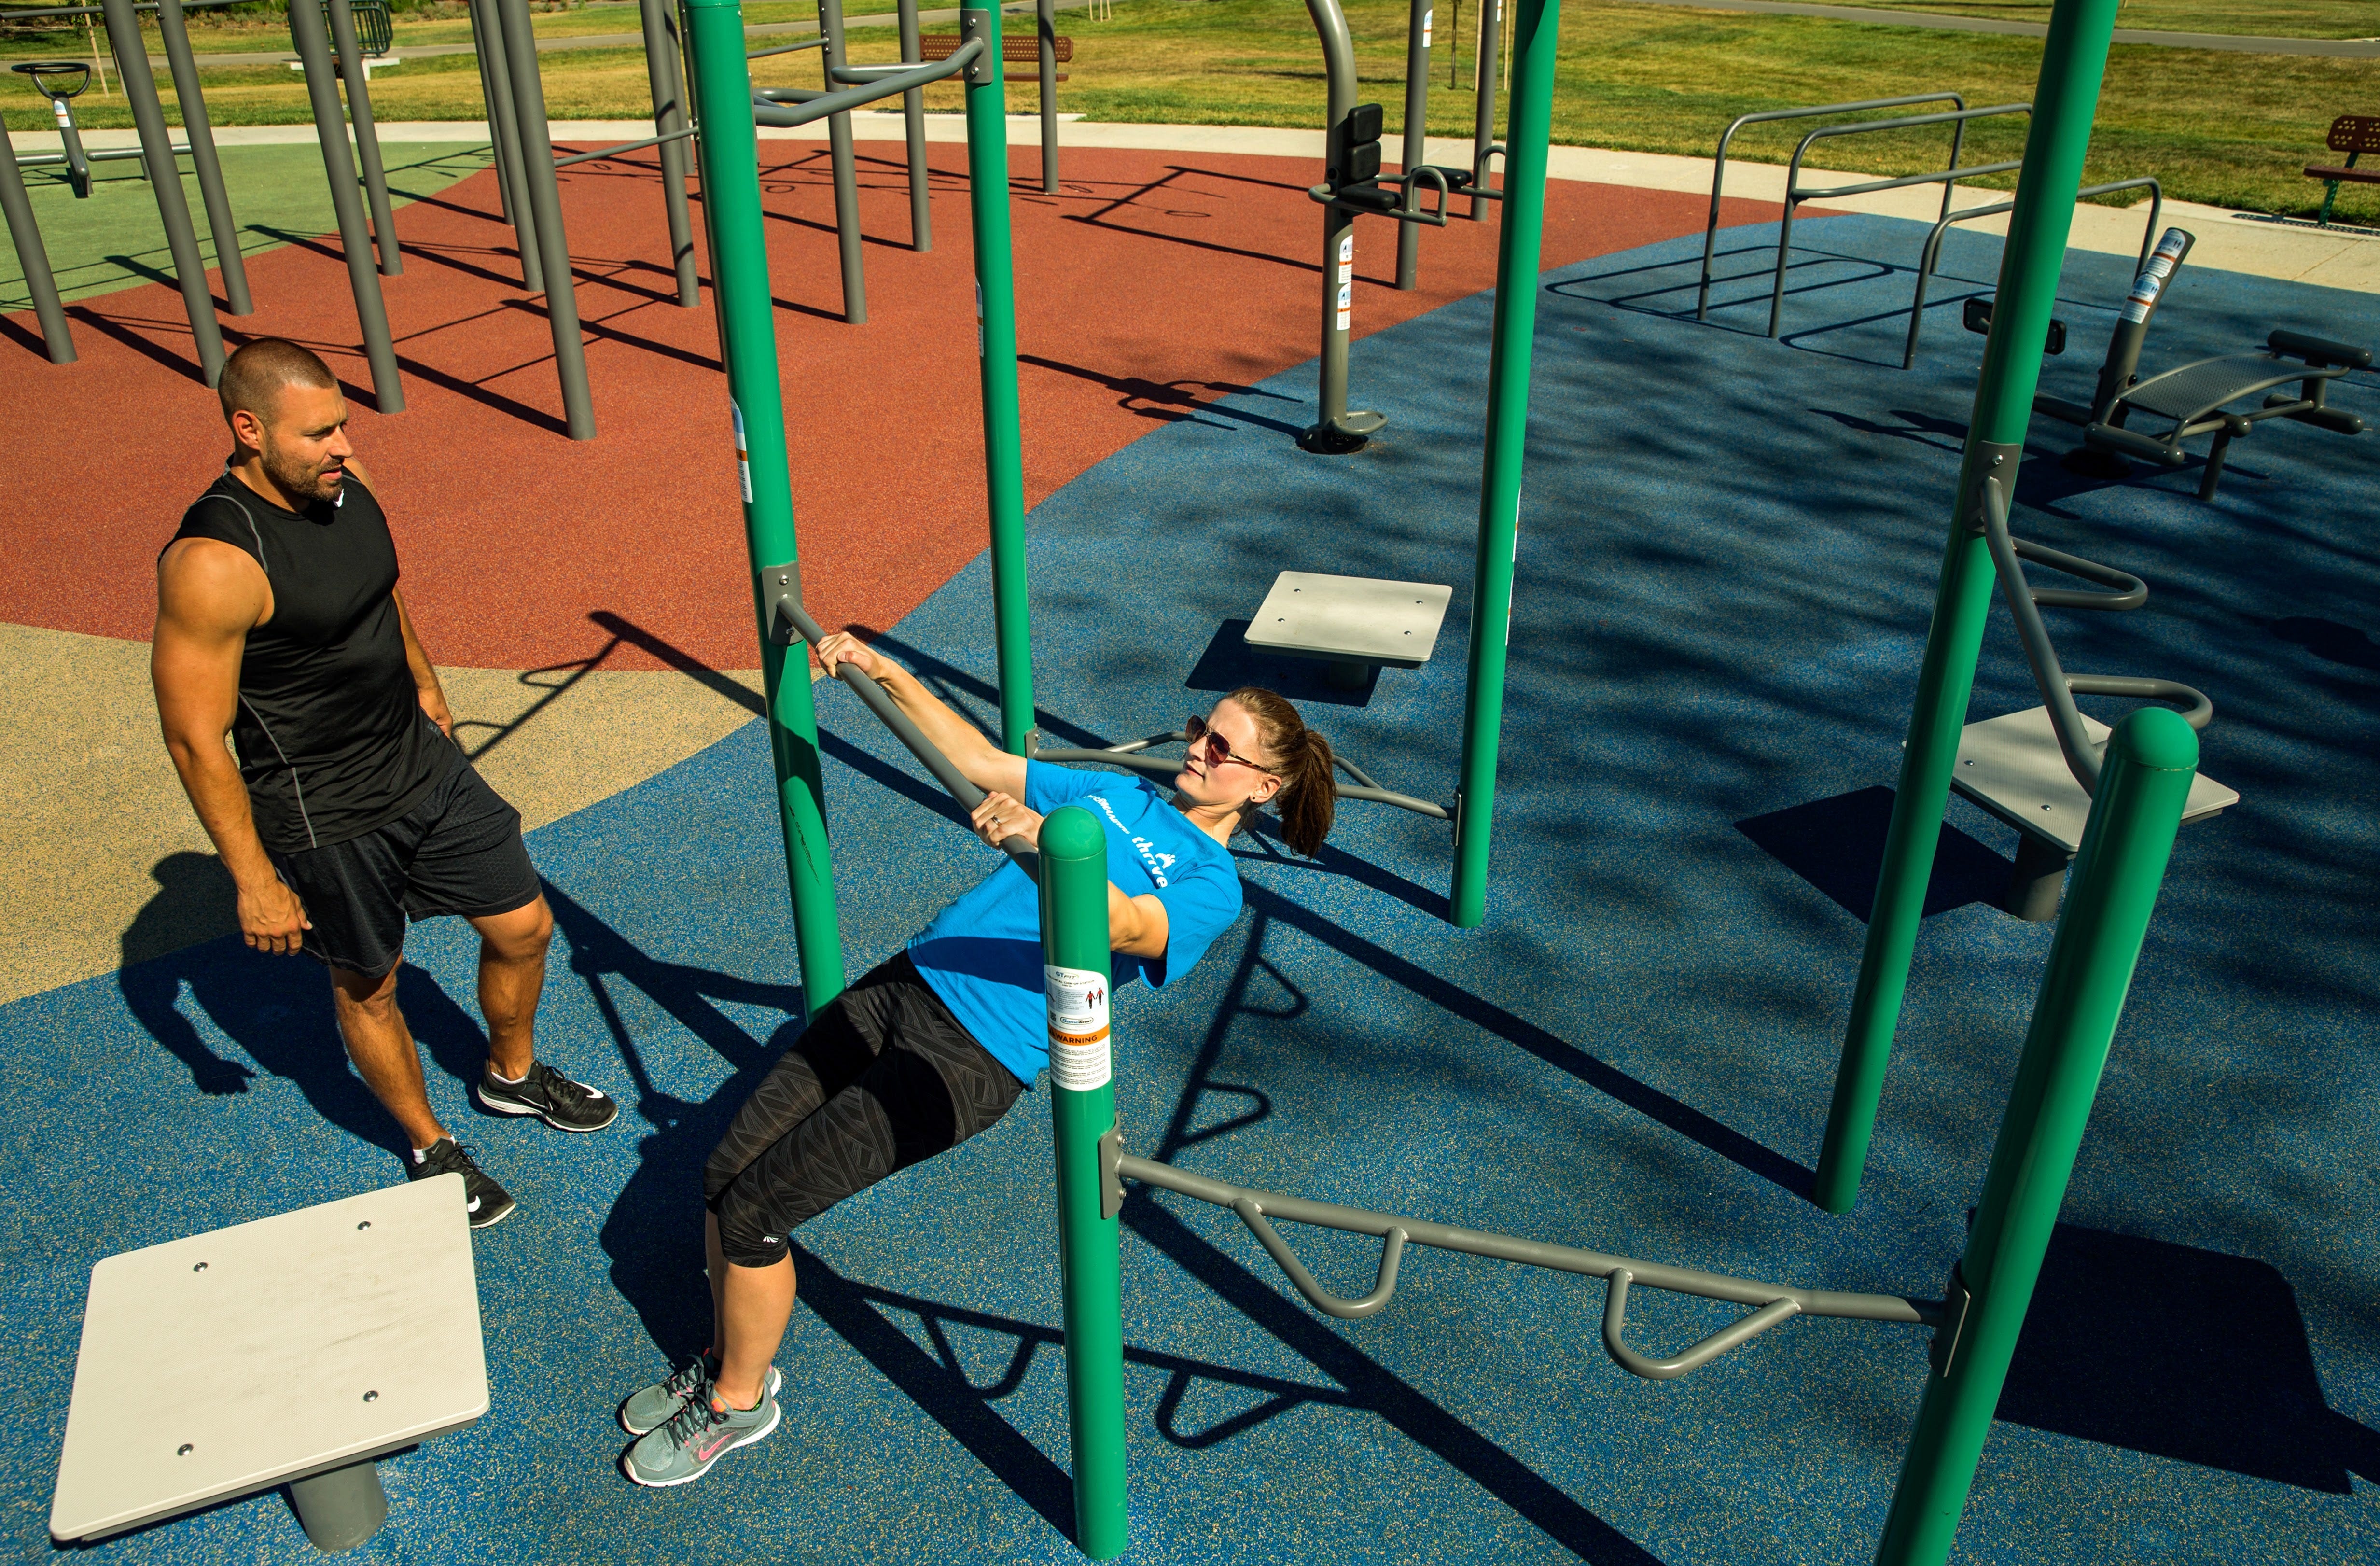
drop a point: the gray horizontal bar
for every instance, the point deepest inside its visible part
(1935, 178)
(769, 113)
(623, 147)
(788, 48)
(113, 154)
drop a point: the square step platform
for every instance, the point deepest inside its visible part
(2011, 766)
(1353, 623)
(269, 1352)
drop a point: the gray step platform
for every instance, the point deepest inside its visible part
(1355, 623)
(2011, 766)
(293, 1350)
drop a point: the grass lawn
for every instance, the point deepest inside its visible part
(2226, 128)
(2270, 18)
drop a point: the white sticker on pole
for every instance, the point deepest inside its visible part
(2142, 297)
(979, 321)
(1426, 19)
(1079, 1050)
(58, 107)
(743, 451)
(1347, 248)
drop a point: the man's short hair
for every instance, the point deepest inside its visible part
(252, 377)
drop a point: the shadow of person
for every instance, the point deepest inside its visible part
(277, 1010)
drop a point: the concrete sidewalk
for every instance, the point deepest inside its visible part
(2233, 242)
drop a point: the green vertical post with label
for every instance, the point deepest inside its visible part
(1082, 1112)
(729, 152)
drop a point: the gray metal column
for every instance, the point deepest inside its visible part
(913, 113)
(1417, 145)
(313, 41)
(1336, 430)
(668, 115)
(1044, 18)
(1483, 128)
(343, 1508)
(165, 179)
(479, 52)
(504, 127)
(202, 137)
(847, 175)
(32, 257)
(351, 69)
(545, 207)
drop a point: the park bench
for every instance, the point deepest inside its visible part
(2353, 135)
(1016, 49)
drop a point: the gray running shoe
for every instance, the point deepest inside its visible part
(704, 1430)
(551, 1096)
(652, 1408)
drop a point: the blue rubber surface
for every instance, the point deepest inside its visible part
(1725, 563)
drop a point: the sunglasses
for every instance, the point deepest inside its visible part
(1218, 749)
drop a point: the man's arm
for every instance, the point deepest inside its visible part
(979, 760)
(210, 596)
(432, 694)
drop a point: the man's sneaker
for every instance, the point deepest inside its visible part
(552, 1096)
(702, 1432)
(653, 1408)
(483, 1200)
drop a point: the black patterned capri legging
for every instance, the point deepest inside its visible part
(883, 1078)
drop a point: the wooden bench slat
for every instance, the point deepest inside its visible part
(2360, 175)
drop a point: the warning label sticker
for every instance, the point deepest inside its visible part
(743, 452)
(1079, 1050)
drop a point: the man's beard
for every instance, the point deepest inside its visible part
(299, 480)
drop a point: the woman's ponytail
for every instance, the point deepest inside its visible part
(1309, 793)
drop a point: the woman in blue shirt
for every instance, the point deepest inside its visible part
(934, 1045)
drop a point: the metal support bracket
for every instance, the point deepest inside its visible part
(780, 585)
(1956, 1300)
(1111, 1170)
(977, 24)
(1993, 460)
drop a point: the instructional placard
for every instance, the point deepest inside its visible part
(1080, 1056)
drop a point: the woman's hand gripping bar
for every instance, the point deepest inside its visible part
(790, 619)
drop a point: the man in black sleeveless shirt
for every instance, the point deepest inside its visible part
(351, 809)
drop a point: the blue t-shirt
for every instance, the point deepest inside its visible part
(982, 954)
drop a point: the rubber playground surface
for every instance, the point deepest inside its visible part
(1726, 558)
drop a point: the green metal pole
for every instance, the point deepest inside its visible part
(995, 295)
(730, 189)
(1530, 130)
(2134, 815)
(2074, 58)
(1082, 1111)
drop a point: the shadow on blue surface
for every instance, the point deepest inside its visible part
(1728, 554)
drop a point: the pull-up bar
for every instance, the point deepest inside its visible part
(789, 619)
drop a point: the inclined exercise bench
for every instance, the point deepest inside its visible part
(2195, 398)
(296, 1350)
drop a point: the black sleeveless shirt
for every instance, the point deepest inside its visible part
(332, 739)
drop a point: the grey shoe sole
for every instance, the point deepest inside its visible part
(776, 1418)
(776, 1384)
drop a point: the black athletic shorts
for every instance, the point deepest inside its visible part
(883, 1078)
(457, 851)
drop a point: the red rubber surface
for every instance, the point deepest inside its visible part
(1157, 279)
